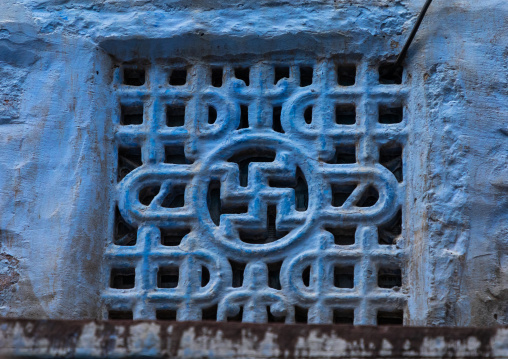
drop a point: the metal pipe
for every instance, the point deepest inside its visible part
(403, 53)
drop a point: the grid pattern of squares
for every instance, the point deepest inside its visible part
(258, 191)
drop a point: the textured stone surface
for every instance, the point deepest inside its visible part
(88, 339)
(57, 169)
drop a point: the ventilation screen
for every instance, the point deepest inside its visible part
(258, 191)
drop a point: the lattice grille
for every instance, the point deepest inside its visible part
(258, 191)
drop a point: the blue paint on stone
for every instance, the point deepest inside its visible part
(61, 89)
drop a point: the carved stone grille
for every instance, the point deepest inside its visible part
(258, 191)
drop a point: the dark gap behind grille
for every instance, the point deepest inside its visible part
(346, 75)
(281, 72)
(212, 115)
(175, 115)
(245, 158)
(390, 156)
(344, 277)
(129, 158)
(122, 278)
(176, 155)
(306, 276)
(345, 114)
(167, 277)
(340, 193)
(344, 154)
(274, 275)
(236, 318)
(165, 314)
(175, 197)
(243, 73)
(276, 119)
(306, 76)
(369, 197)
(132, 115)
(272, 318)
(210, 313)
(124, 233)
(205, 276)
(120, 315)
(343, 236)
(307, 115)
(389, 278)
(343, 316)
(301, 314)
(390, 76)
(238, 271)
(244, 117)
(217, 76)
(389, 232)
(178, 77)
(173, 237)
(133, 77)
(390, 115)
(390, 318)
(147, 194)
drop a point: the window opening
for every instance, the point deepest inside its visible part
(230, 215)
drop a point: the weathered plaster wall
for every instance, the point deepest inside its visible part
(56, 171)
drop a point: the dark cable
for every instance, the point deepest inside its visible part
(403, 53)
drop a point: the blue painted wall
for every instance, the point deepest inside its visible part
(58, 101)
